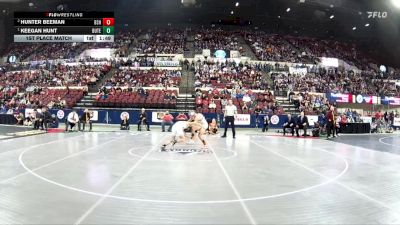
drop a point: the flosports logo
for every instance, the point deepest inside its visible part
(375, 14)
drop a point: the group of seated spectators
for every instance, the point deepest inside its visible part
(309, 103)
(266, 46)
(63, 75)
(60, 75)
(216, 39)
(247, 101)
(272, 47)
(136, 97)
(41, 97)
(56, 51)
(160, 41)
(313, 48)
(231, 75)
(364, 83)
(22, 50)
(144, 78)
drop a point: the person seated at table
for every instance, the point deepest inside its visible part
(302, 123)
(125, 123)
(289, 123)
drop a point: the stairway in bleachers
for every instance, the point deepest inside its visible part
(247, 49)
(87, 101)
(187, 82)
(190, 51)
(102, 81)
(185, 102)
(287, 106)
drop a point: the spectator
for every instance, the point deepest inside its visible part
(181, 117)
(212, 105)
(167, 119)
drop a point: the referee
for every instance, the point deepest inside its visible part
(229, 114)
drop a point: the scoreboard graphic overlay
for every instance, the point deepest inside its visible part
(63, 26)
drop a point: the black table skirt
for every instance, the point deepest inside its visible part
(7, 119)
(355, 128)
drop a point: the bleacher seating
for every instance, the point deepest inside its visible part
(155, 99)
(263, 100)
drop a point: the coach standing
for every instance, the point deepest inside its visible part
(229, 114)
(330, 125)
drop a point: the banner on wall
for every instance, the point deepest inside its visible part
(29, 111)
(123, 114)
(206, 52)
(156, 117)
(312, 120)
(341, 98)
(274, 119)
(242, 119)
(95, 115)
(294, 70)
(168, 63)
(234, 54)
(364, 99)
(329, 62)
(60, 114)
(390, 101)
(366, 119)
(396, 122)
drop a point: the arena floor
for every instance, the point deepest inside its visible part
(122, 178)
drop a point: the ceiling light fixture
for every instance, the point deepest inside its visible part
(396, 3)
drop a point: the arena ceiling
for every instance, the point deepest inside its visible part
(337, 19)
